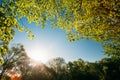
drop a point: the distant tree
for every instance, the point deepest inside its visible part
(15, 57)
(92, 71)
(81, 70)
(76, 69)
(39, 72)
(58, 65)
(110, 68)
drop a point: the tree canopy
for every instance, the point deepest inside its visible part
(105, 69)
(15, 57)
(81, 19)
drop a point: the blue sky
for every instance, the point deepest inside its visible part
(53, 41)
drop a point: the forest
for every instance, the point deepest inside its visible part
(56, 68)
(97, 20)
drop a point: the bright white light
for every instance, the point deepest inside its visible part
(39, 54)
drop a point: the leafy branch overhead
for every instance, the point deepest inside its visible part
(81, 19)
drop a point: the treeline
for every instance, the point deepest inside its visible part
(57, 68)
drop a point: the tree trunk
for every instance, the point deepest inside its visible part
(1, 74)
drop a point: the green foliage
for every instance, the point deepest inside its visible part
(105, 69)
(57, 69)
(81, 19)
(15, 57)
(81, 70)
(110, 68)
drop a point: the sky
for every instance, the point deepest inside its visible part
(52, 42)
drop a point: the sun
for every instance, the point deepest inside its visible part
(37, 54)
